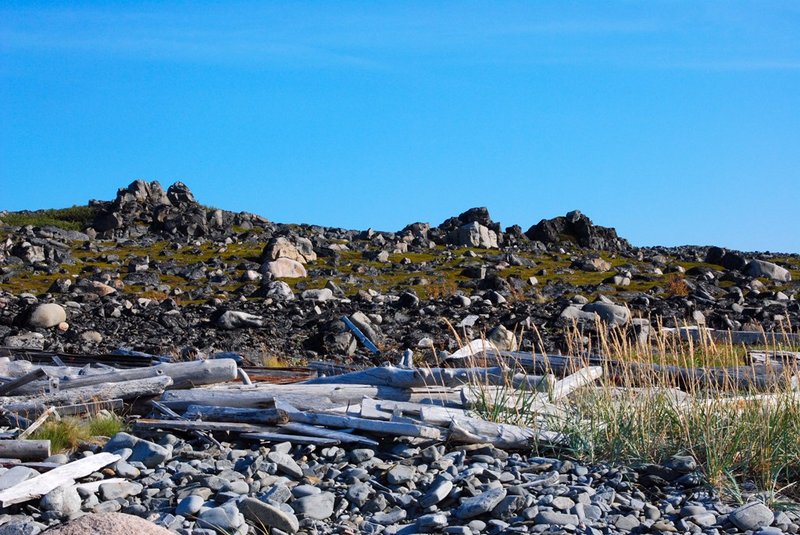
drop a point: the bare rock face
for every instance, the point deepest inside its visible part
(473, 228)
(147, 206)
(578, 228)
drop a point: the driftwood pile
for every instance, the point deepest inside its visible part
(213, 397)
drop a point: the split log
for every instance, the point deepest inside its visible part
(472, 349)
(90, 407)
(427, 413)
(196, 425)
(236, 414)
(425, 377)
(14, 386)
(39, 466)
(301, 396)
(169, 413)
(504, 436)
(578, 379)
(38, 423)
(25, 450)
(637, 374)
(294, 439)
(125, 391)
(183, 375)
(352, 422)
(42, 484)
(340, 436)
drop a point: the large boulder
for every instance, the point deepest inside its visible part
(611, 314)
(46, 315)
(300, 250)
(474, 235)
(284, 268)
(473, 228)
(762, 268)
(576, 227)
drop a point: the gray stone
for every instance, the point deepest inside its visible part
(611, 314)
(226, 518)
(556, 519)
(21, 527)
(387, 518)
(318, 506)
(399, 474)
(119, 489)
(280, 290)
(318, 295)
(480, 504)
(47, 315)
(751, 516)
(358, 494)
(149, 454)
(264, 514)
(15, 475)
(64, 501)
(190, 505)
(285, 464)
(432, 522)
(438, 491)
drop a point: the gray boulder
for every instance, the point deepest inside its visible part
(761, 268)
(613, 315)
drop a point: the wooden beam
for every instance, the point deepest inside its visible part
(42, 484)
(25, 450)
(352, 422)
(127, 390)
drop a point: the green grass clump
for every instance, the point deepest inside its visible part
(740, 437)
(74, 218)
(68, 433)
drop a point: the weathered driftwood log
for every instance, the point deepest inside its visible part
(569, 384)
(25, 450)
(183, 374)
(477, 431)
(269, 436)
(340, 436)
(301, 396)
(646, 374)
(236, 414)
(352, 422)
(197, 425)
(44, 483)
(417, 377)
(426, 412)
(16, 385)
(125, 391)
(90, 407)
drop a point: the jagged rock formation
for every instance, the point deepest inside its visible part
(576, 227)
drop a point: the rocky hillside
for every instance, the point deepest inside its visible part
(156, 271)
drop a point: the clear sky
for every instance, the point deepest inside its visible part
(675, 122)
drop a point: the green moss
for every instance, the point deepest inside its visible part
(74, 218)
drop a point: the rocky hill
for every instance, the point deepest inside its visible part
(158, 272)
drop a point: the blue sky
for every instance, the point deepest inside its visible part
(675, 122)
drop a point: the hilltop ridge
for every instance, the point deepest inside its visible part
(158, 271)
